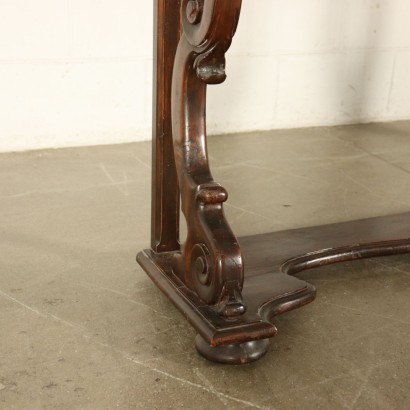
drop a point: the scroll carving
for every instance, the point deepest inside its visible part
(211, 260)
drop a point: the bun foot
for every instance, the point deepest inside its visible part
(242, 353)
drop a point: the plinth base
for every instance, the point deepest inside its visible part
(269, 290)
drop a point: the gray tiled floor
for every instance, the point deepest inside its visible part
(82, 327)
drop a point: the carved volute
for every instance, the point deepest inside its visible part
(211, 261)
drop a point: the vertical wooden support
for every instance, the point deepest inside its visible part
(165, 193)
(205, 277)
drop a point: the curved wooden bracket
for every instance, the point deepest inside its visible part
(211, 260)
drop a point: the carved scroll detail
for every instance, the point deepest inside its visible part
(211, 259)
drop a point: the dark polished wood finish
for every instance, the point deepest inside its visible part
(270, 259)
(231, 309)
(239, 353)
(211, 261)
(165, 194)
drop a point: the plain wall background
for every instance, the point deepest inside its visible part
(78, 72)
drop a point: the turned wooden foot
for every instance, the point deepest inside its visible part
(241, 353)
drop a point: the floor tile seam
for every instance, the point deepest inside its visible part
(367, 313)
(130, 357)
(62, 191)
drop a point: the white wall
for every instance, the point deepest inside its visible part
(78, 72)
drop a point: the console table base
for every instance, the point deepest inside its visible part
(269, 287)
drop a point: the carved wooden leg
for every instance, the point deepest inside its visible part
(204, 279)
(232, 310)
